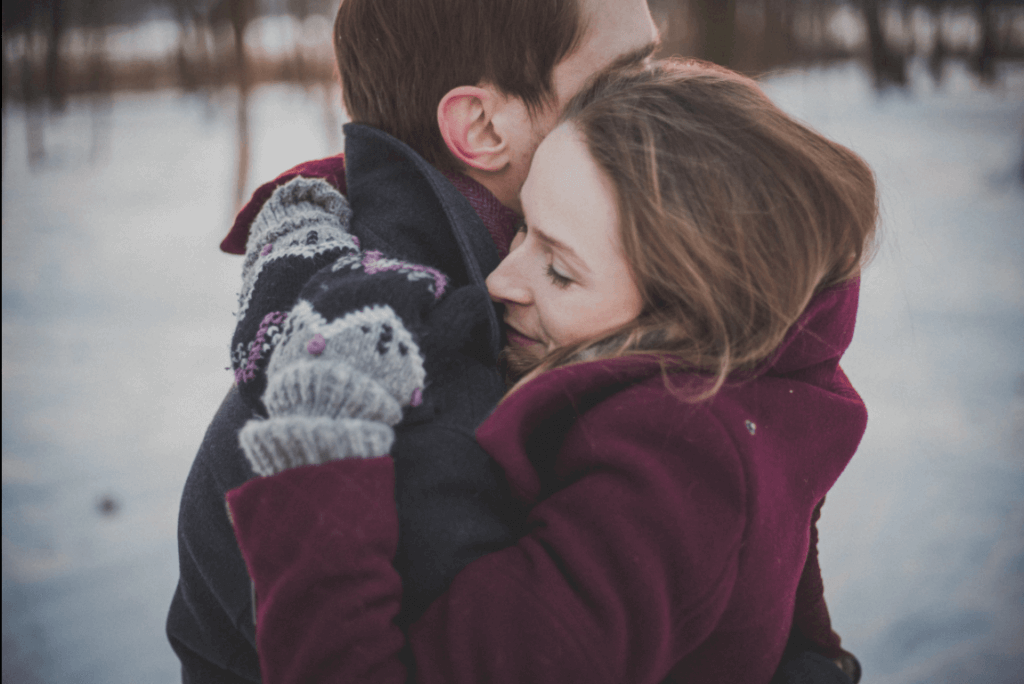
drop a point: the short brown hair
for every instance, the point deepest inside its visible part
(398, 58)
(733, 215)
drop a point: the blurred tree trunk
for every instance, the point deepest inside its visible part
(906, 11)
(985, 62)
(888, 66)
(776, 45)
(99, 78)
(191, 46)
(56, 92)
(332, 124)
(240, 13)
(299, 9)
(45, 18)
(937, 59)
(7, 73)
(23, 19)
(717, 29)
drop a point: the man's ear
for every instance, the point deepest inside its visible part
(465, 116)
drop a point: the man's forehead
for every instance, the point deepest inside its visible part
(625, 23)
(612, 29)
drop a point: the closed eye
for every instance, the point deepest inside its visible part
(557, 278)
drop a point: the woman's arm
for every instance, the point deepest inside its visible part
(318, 542)
(625, 569)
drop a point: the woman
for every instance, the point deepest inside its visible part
(677, 301)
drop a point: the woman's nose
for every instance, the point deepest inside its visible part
(505, 284)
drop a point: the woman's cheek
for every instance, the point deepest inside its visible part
(560, 320)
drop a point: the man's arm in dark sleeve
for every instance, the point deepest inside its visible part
(210, 624)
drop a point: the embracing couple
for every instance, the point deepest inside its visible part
(539, 381)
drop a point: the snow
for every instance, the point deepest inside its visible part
(923, 537)
(117, 311)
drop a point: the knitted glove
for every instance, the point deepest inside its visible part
(323, 345)
(334, 389)
(301, 229)
(304, 218)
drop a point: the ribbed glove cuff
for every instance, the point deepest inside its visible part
(328, 388)
(278, 444)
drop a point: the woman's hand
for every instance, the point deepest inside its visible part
(334, 390)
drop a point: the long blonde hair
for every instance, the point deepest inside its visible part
(733, 215)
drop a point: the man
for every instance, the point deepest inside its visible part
(471, 88)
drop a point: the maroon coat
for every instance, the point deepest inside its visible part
(665, 540)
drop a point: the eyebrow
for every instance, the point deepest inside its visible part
(568, 251)
(637, 56)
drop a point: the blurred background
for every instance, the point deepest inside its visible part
(133, 130)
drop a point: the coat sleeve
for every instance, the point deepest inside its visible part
(625, 568)
(209, 623)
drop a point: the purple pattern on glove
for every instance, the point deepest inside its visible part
(248, 372)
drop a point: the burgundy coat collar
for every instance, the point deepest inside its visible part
(821, 334)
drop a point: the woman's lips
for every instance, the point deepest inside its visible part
(520, 340)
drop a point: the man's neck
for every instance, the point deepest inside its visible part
(499, 220)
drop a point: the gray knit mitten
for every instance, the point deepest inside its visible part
(334, 389)
(304, 218)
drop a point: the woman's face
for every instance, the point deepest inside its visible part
(566, 278)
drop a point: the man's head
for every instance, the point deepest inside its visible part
(474, 86)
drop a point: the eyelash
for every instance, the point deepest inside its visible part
(557, 278)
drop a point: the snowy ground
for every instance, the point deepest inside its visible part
(117, 310)
(923, 537)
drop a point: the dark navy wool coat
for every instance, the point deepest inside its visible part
(408, 210)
